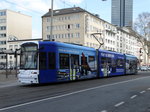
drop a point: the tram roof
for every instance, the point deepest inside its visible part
(61, 44)
(106, 51)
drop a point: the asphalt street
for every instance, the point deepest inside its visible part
(129, 93)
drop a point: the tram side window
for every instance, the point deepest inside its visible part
(127, 64)
(91, 58)
(120, 63)
(92, 62)
(133, 64)
(64, 61)
(84, 61)
(52, 60)
(106, 62)
(109, 62)
(42, 60)
(74, 61)
(103, 62)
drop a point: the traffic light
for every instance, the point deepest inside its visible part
(140, 51)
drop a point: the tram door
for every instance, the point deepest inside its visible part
(74, 66)
(47, 66)
(106, 66)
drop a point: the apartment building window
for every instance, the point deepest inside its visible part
(77, 25)
(111, 42)
(3, 13)
(16, 47)
(90, 44)
(68, 35)
(65, 35)
(48, 36)
(69, 17)
(2, 27)
(2, 20)
(10, 57)
(72, 35)
(48, 28)
(62, 35)
(61, 27)
(48, 19)
(120, 44)
(2, 42)
(87, 44)
(78, 35)
(3, 57)
(11, 47)
(65, 18)
(68, 27)
(2, 35)
(2, 49)
(56, 36)
(56, 19)
(117, 44)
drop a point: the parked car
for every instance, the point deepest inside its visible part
(144, 68)
(148, 68)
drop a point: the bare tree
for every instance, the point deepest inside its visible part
(142, 24)
(142, 27)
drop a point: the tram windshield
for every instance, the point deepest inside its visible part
(28, 57)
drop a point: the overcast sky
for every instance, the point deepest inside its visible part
(37, 8)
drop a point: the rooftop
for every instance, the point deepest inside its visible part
(64, 11)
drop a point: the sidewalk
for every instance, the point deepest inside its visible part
(10, 80)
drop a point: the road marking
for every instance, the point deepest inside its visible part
(142, 92)
(104, 111)
(148, 89)
(72, 93)
(132, 97)
(119, 104)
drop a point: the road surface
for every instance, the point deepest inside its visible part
(129, 93)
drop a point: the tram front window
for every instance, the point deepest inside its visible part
(28, 57)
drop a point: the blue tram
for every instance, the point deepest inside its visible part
(46, 62)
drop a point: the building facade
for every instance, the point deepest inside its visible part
(122, 12)
(73, 25)
(13, 25)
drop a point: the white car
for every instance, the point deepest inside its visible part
(144, 68)
(148, 68)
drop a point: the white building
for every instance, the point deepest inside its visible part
(13, 25)
(73, 25)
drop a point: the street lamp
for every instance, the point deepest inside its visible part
(51, 28)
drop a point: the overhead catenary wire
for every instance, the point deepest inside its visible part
(12, 3)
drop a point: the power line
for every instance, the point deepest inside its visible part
(21, 6)
(64, 2)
